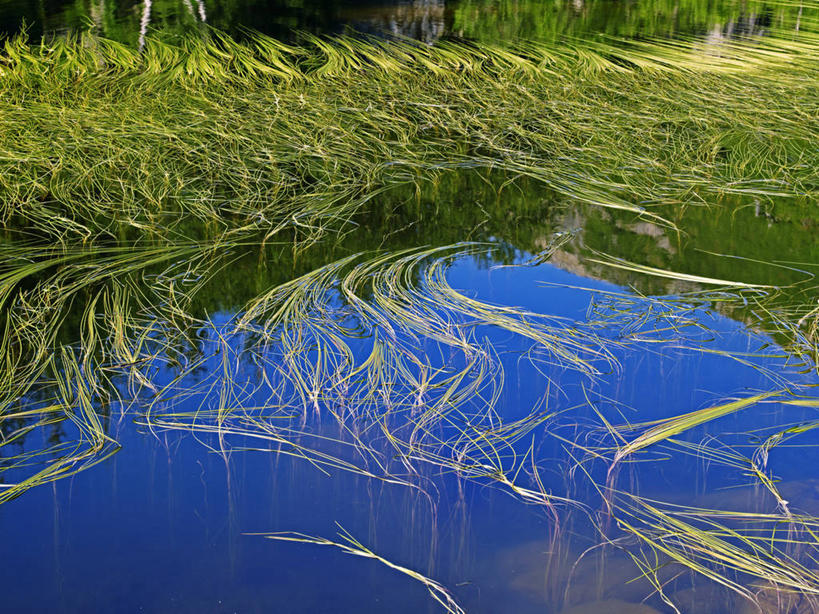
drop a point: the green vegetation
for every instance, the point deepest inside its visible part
(343, 177)
(503, 20)
(97, 136)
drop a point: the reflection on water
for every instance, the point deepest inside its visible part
(745, 26)
(464, 438)
(532, 20)
(424, 20)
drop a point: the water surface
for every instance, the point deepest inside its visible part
(454, 384)
(222, 441)
(424, 20)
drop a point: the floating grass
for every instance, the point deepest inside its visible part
(679, 424)
(129, 179)
(371, 365)
(352, 546)
(260, 136)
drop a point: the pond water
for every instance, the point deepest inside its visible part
(468, 438)
(163, 525)
(424, 20)
(476, 393)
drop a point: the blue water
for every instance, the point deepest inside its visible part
(166, 524)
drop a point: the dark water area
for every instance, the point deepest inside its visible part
(423, 20)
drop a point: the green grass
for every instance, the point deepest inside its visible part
(265, 137)
(131, 183)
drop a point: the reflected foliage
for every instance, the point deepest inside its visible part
(424, 20)
(504, 20)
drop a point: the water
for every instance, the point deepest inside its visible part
(168, 522)
(377, 415)
(425, 20)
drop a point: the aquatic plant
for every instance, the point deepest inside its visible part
(266, 137)
(129, 180)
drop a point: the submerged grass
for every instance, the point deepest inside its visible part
(264, 136)
(151, 170)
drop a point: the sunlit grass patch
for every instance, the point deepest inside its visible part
(260, 136)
